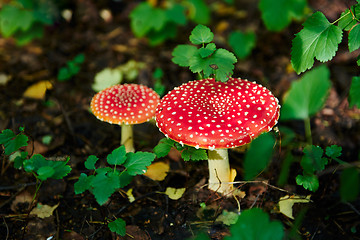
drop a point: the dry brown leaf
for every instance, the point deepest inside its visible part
(158, 171)
(43, 211)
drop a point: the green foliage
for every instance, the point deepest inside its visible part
(198, 11)
(187, 152)
(242, 43)
(11, 141)
(255, 224)
(25, 19)
(106, 180)
(349, 184)
(206, 59)
(306, 96)
(320, 39)
(278, 14)
(354, 96)
(118, 226)
(71, 69)
(258, 156)
(159, 87)
(309, 182)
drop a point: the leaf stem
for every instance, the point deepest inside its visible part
(340, 18)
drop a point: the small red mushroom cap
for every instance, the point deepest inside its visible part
(126, 103)
(209, 114)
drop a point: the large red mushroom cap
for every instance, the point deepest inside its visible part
(126, 103)
(209, 114)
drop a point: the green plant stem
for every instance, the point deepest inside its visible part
(219, 171)
(127, 137)
(308, 130)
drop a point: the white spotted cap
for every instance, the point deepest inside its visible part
(126, 103)
(209, 114)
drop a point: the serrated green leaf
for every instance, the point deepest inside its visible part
(333, 151)
(220, 63)
(354, 38)
(318, 39)
(118, 156)
(124, 179)
(61, 169)
(11, 141)
(258, 156)
(199, 11)
(278, 14)
(193, 154)
(306, 96)
(163, 147)
(6, 135)
(354, 96)
(349, 184)
(104, 185)
(182, 55)
(201, 34)
(242, 43)
(118, 226)
(312, 159)
(309, 182)
(83, 183)
(136, 163)
(90, 162)
(255, 224)
(347, 20)
(207, 51)
(45, 172)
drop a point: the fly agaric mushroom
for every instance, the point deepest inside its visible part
(217, 116)
(125, 105)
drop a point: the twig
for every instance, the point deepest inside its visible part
(7, 229)
(263, 182)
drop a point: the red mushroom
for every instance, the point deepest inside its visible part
(125, 105)
(217, 116)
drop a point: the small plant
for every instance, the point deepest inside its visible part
(206, 60)
(41, 168)
(104, 181)
(71, 69)
(25, 19)
(320, 39)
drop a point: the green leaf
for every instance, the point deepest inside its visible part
(318, 39)
(136, 163)
(354, 96)
(207, 51)
(12, 142)
(19, 160)
(90, 162)
(309, 182)
(333, 151)
(347, 20)
(259, 155)
(242, 43)
(255, 224)
(45, 172)
(124, 179)
(13, 18)
(306, 96)
(201, 34)
(104, 185)
(220, 63)
(278, 14)
(182, 55)
(118, 226)
(349, 184)
(354, 38)
(193, 154)
(199, 11)
(157, 37)
(201, 236)
(312, 159)
(163, 147)
(176, 14)
(118, 156)
(83, 184)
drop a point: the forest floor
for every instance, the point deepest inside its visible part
(64, 115)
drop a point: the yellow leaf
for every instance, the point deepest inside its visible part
(130, 195)
(157, 171)
(37, 90)
(174, 193)
(43, 211)
(286, 203)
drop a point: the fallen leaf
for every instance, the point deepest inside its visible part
(227, 218)
(43, 211)
(130, 195)
(157, 171)
(286, 203)
(22, 200)
(37, 90)
(174, 193)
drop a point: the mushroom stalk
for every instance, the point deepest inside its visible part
(219, 171)
(127, 137)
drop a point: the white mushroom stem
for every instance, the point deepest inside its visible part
(219, 171)
(127, 137)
